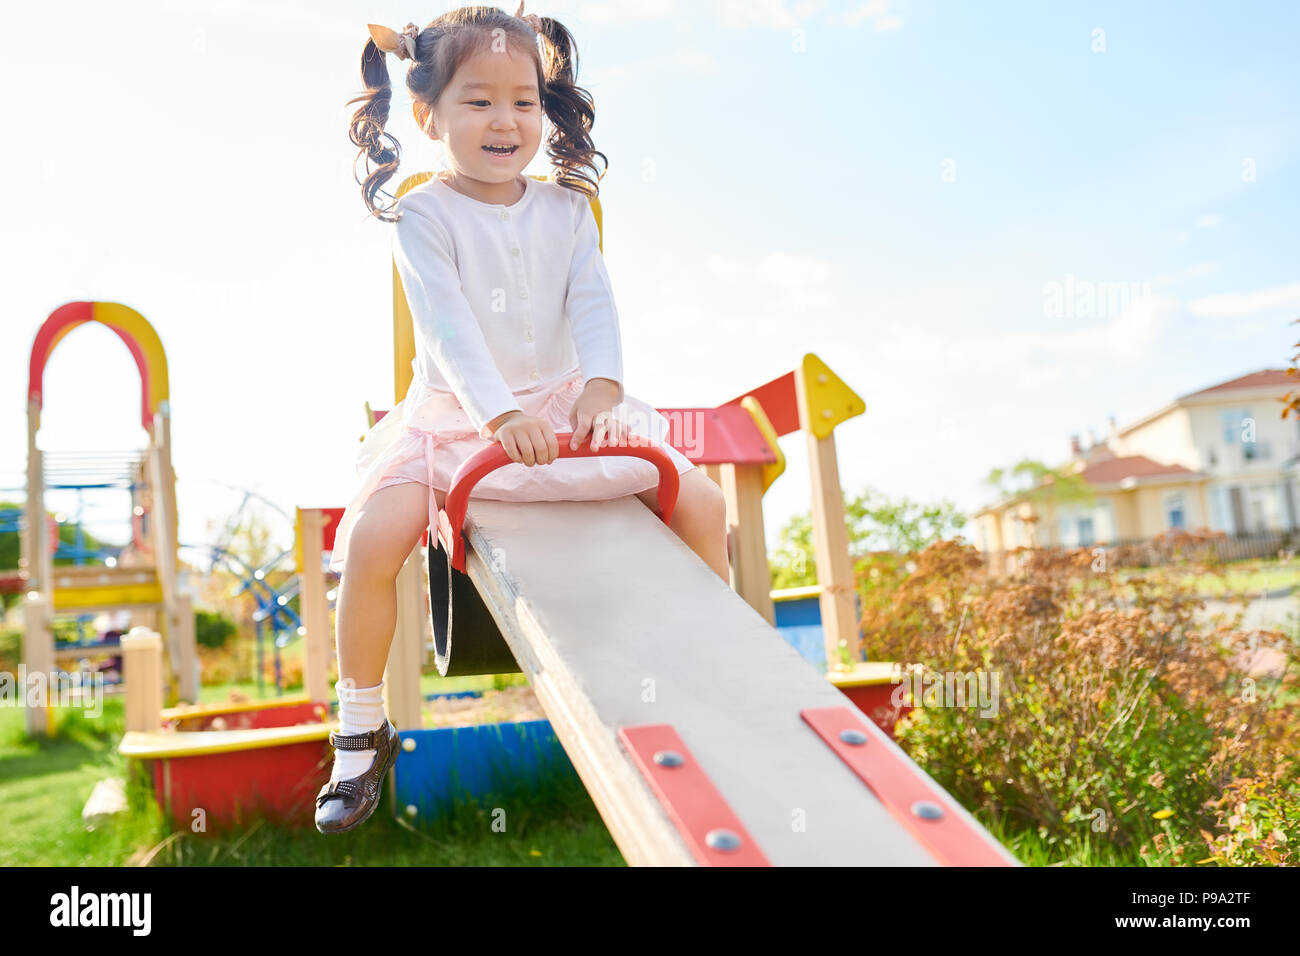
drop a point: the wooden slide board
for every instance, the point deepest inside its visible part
(617, 624)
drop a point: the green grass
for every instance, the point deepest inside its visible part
(45, 783)
(1088, 849)
(1240, 581)
(1240, 578)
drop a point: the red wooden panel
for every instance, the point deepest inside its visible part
(232, 788)
(701, 815)
(903, 790)
(716, 436)
(779, 403)
(332, 518)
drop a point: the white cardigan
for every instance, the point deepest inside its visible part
(505, 299)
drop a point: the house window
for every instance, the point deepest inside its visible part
(1217, 520)
(1232, 424)
(1174, 513)
(1231, 429)
(1085, 533)
(1256, 450)
(1211, 457)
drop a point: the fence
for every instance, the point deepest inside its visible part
(1175, 546)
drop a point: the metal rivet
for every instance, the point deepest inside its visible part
(724, 840)
(411, 811)
(408, 744)
(853, 737)
(669, 758)
(826, 413)
(821, 378)
(927, 810)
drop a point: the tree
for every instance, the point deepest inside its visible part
(874, 524)
(1041, 487)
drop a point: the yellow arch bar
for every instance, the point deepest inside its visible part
(128, 320)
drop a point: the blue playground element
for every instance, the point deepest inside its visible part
(437, 768)
(799, 621)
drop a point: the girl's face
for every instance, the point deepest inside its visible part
(492, 100)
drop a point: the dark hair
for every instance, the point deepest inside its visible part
(440, 49)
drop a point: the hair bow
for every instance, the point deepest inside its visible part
(390, 41)
(532, 19)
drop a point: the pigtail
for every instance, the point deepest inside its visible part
(571, 111)
(367, 129)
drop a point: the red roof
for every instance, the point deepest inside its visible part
(1114, 470)
(1268, 377)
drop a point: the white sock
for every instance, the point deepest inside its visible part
(360, 709)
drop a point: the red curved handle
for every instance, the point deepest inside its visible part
(452, 516)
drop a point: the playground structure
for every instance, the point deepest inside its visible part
(227, 760)
(696, 727)
(143, 581)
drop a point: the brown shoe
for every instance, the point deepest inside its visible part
(343, 805)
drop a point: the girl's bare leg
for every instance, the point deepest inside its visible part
(699, 519)
(366, 613)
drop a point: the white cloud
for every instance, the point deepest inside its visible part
(722, 267)
(1191, 272)
(625, 11)
(678, 61)
(1232, 305)
(1208, 221)
(791, 272)
(768, 14)
(868, 11)
(873, 12)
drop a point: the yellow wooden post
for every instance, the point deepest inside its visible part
(315, 604)
(751, 576)
(824, 401)
(402, 696)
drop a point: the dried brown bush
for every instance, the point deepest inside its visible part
(1122, 713)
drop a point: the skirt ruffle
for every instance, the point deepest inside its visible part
(427, 436)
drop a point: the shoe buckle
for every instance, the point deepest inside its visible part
(346, 790)
(369, 740)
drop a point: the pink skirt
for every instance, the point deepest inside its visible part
(427, 435)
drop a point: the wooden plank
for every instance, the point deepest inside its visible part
(616, 623)
(68, 600)
(403, 701)
(315, 605)
(830, 540)
(743, 488)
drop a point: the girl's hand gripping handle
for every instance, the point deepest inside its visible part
(451, 518)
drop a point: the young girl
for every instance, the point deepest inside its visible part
(516, 337)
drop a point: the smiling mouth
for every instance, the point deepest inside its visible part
(501, 150)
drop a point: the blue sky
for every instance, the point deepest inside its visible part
(891, 185)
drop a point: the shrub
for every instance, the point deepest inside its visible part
(1124, 719)
(1261, 817)
(212, 628)
(11, 650)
